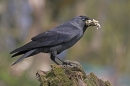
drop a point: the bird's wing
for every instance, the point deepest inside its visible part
(58, 35)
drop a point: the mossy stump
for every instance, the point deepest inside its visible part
(70, 73)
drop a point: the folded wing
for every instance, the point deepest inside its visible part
(60, 34)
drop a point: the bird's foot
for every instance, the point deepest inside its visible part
(70, 63)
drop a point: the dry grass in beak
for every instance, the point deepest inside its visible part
(93, 23)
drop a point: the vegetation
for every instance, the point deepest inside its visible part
(22, 19)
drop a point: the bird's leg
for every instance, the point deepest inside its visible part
(53, 59)
(59, 59)
(53, 55)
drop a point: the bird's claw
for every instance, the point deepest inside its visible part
(70, 63)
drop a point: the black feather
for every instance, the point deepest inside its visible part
(20, 53)
(24, 56)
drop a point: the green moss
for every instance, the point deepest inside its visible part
(92, 80)
(70, 75)
(55, 76)
(107, 83)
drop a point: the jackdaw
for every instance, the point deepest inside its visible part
(57, 39)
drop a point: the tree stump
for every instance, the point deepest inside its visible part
(70, 73)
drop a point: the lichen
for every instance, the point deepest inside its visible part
(69, 74)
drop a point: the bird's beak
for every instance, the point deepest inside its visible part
(93, 23)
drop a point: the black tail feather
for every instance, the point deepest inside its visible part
(24, 56)
(28, 46)
(19, 53)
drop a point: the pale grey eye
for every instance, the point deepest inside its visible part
(83, 19)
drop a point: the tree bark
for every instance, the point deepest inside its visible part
(70, 73)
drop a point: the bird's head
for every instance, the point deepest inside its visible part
(90, 22)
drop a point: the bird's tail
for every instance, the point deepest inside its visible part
(27, 54)
(20, 53)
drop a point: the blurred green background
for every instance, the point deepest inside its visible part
(105, 51)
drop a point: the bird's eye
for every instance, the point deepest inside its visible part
(83, 19)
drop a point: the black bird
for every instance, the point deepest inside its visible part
(57, 39)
